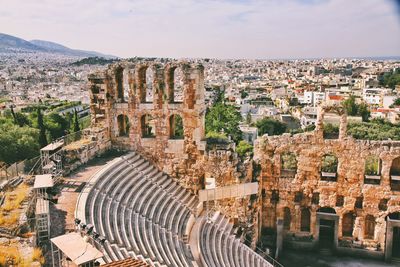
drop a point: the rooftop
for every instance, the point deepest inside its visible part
(129, 262)
(75, 248)
(43, 181)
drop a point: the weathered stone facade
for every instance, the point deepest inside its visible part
(362, 205)
(120, 92)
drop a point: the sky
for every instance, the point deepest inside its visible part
(263, 29)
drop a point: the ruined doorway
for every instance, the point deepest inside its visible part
(396, 242)
(327, 225)
(326, 234)
(392, 246)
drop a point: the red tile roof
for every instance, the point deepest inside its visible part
(335, 97)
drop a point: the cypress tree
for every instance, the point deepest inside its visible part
(42, 129)
(13, 115)
(76, 122)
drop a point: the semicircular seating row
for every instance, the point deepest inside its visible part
(220, 247)
(141, 212)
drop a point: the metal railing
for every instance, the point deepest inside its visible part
(25, 167)
(264, 254)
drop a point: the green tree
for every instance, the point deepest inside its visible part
(22, 119)
(76, 122)
(226, 118)
(391, 79)
(363, 111)
(219, 95)
(69, 117)
(270, 126)
(396, 102)
(376, 129)
(244, 148)
(18, 143)
(56, 124)
(244, 94)
(13, 115)
(42, 129)
(350, 105)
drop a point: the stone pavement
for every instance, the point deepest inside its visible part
(62, 213)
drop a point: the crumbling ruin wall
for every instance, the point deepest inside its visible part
(176, 157)
(306, 189)
(92, 143)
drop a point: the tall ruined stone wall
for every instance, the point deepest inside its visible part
(176, 157)
(306, 189)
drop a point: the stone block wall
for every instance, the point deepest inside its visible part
(94, 142)
(118, 99)
(285, 197)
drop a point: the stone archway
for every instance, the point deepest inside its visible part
(319, 125)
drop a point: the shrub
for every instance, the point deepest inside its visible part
(270, 126)
(216, 138)
(38, 256)
(244, 148)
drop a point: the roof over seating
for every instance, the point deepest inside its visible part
(129, 262)
(43, 181)
(77, 249)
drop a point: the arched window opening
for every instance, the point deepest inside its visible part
(177, 95)
(146, 77)
(125, 85)
(149, 85)
(119, 83)
(329, 167)
(305, 220)
(373, 167)
(123, 125)
(348, 224)
(175, 127)
(148, 126)
(286, 218)
(369, 231)
(288, 165)
(395, 174)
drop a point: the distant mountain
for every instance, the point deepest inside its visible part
(8, 42)
(12, 44)
(58, 48)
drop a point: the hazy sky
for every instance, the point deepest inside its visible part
(211, 28)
